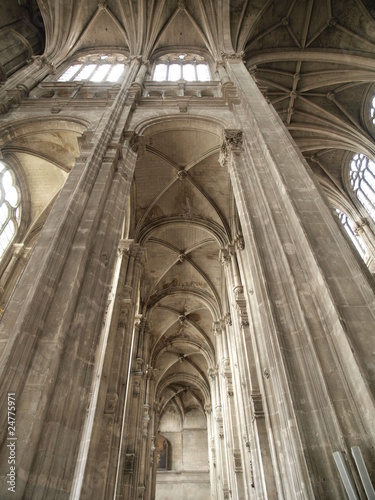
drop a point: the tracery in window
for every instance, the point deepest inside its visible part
(362, 178)
(372, 110)
(95, 68)
(10, 207)
(350, 229)
(188, 67)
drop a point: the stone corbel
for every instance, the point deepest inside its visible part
(232, 144)
(136, 142)
(42, 62)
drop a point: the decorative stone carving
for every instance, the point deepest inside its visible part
(233, 139)
(136, 389)
(111, 403)
(241, 307)
(145, 420)
(129, 463)
(256, 399)
(237, 461)
(232, 143)
(134, 142)
(102, 5)
(212, 372)
(233, 56)
(43, 61)
(182, 174)
(224, 256)
(208, 409)
(224, 156)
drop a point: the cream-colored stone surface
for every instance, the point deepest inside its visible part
(179, 270)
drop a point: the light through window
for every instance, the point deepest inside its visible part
(98, 68)
(362, 178)
(350, 229)
(188, 67)
(10, 207)
(372, 110)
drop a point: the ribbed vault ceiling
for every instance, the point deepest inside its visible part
(182, 219)
(313, 59)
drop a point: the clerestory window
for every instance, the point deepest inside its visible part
(188, 67)
(98, 68)
(362, 179)
(350, 229)
(10, 207)
(372, 111)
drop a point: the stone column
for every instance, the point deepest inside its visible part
(313, 322)
(145, 474)
(221, 452)
(103, 471)
(12, 271)
(252, 448)
(153, 462)
(211, 451)
(51, 329)
(136, 418)
(19, 85)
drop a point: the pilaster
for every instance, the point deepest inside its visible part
(53, 324)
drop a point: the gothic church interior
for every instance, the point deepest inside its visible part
(187, 249)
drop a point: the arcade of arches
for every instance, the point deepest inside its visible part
(187, 241)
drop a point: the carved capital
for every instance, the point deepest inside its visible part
(233, 56)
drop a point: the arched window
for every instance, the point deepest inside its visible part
(105, 68)
(362, 178)
(372, 111)
(10, 207)
(356, 239)
(188, 67)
